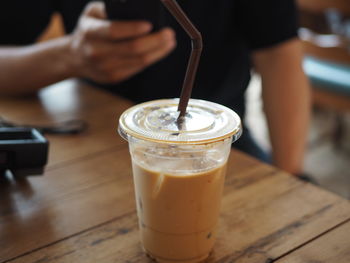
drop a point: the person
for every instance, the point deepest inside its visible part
(127, 58)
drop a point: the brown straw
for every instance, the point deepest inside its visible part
(197, 46)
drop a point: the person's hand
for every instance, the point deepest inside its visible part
(112, 51)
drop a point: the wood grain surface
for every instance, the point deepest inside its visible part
(65, 101)
(265, 214)
(331, 247)
(82, 209)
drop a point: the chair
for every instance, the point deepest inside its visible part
(325, 31)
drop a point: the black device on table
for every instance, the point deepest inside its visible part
(23, 151)
(148, 10)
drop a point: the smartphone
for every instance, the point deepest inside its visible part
(148, 10)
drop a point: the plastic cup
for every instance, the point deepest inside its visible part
(179, 173)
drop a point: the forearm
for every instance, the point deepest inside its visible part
(26, 69)
(286, 97)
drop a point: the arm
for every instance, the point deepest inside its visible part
(286, 97)
(98, 49)
(25, 69)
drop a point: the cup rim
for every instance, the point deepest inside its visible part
(126, 133)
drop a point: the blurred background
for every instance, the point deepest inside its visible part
(325, 32)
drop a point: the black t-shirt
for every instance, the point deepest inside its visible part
(231, 29)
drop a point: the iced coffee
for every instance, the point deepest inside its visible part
(179, 175)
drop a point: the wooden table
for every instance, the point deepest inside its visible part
(82, 209)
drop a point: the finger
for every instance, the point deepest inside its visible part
(152, 57)
(121, 30)
(146, 43)
(136, 47)
(108, 30)
(116, 70)
(142, 61)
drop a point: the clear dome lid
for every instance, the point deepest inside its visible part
(156, 121)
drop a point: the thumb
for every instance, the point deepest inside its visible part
(96, 9)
